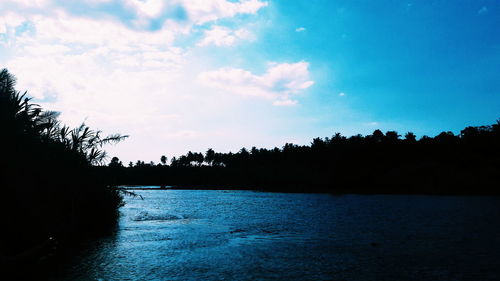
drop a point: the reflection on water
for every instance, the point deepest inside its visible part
(244, 235)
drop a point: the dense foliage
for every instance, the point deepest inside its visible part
(47, 184)
(468, 163)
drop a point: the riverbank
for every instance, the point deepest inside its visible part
(304, 190)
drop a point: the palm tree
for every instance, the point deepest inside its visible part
(163, 159)
(89, 143)
(27, 118)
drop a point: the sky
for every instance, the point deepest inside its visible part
(188, 75)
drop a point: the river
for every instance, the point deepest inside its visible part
(245, 235)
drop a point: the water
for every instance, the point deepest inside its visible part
(244, 235)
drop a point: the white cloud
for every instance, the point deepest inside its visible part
(244, 34)
(341, 94)
(147, 12)
(73, 30)
(98, 1)
(11, 19)
(278, 83)
(198, 12)
(46, 50)
(148, 8)
(28, 3)
(202, 11)
(223, 36)
(483, 10)
(285, 102)
(300, 29)
(90, 67)
(3, 26)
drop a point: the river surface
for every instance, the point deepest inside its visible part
(245, 235)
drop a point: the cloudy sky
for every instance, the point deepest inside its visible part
(179, 75)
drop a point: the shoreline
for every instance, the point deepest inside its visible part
(172, 187)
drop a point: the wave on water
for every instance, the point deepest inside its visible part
(146, 216)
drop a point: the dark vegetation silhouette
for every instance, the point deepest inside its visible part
(51, 196)
(468, 163)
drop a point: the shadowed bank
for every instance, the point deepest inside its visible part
(51, 197)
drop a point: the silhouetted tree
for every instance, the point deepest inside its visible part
(115, 162)
(410, 137)
(392, 136)
(198, 158)
(377, 136)
(446, 138)
(317, 144)
(210, 156)
(174, 162)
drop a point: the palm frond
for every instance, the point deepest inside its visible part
(115, 138)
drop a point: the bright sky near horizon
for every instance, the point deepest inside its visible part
(180, 75)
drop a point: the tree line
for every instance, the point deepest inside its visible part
(465, 163)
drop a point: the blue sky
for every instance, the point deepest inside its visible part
(192, 74)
